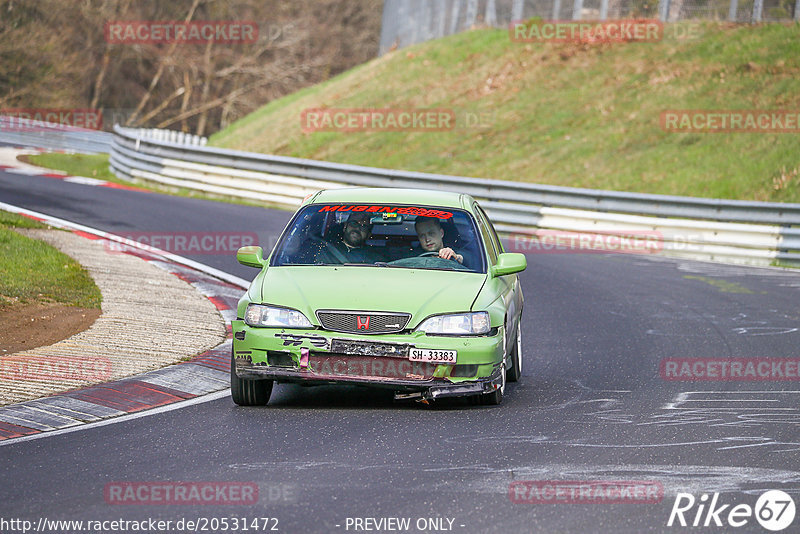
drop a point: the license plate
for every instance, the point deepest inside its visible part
(432, 355)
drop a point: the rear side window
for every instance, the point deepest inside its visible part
(498, 243)
(483, 224)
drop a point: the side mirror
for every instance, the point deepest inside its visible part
(252, 256)
(509, 263)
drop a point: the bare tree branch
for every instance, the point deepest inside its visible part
(163, 105)
(154, 82)
(98, 83)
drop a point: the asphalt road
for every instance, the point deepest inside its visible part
(591, 406)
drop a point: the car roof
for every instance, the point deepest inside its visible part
(390, 195)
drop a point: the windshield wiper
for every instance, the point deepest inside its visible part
(373, 264)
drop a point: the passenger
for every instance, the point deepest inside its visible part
(349, 246)
(431, 238)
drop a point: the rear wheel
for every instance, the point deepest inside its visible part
(515, 371)
(249, 392)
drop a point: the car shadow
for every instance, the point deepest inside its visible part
(360, 397)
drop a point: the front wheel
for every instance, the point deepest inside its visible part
(515, 371)
(249, 392)
(496, 397)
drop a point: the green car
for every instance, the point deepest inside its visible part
(403, 289)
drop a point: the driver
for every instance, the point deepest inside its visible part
(431, 238)
(349, 246)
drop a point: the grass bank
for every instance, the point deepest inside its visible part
(584, 115)
(33, 271)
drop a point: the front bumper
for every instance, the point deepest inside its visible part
(324, 357)
(407, 389)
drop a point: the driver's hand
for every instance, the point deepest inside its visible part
(447, 253)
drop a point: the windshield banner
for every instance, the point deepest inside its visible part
(404, 210)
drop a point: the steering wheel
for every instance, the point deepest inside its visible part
(329, 248)
(429, 253)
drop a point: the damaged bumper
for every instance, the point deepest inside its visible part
(414, 389)
(323, 357)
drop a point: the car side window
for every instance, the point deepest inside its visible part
(487, 236)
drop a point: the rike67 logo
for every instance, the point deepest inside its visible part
(774, 510)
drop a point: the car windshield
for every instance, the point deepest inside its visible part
(382, 235)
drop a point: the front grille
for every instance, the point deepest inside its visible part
(341, 365)
(363, 322)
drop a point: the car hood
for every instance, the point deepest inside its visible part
(419, 292)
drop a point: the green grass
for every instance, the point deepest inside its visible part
(33, 271)
(565, 114)
(89, 165)
(12, 220)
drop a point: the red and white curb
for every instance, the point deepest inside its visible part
(204, 374)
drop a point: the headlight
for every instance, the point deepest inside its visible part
(457, 324)
(261, 315)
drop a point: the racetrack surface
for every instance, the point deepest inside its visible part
(591, 404)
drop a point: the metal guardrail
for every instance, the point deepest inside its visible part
(726, 230)
(56, 137)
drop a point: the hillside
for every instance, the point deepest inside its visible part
(584, 115)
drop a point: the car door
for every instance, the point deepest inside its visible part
(505, 286)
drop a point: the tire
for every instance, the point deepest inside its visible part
(249, 392)
(515, 371)
(495, 397)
